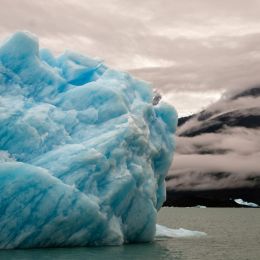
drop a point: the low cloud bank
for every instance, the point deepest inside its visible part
(220, 147)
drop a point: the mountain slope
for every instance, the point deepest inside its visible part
(218, 152)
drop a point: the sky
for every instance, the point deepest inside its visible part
(190, 50)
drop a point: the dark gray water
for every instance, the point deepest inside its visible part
(233, 234)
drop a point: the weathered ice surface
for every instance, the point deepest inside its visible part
(83, 150)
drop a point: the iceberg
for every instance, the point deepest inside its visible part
(84, 150)
(245, 203)
(165, 232)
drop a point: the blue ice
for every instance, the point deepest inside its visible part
(83, 150)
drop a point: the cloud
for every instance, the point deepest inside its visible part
(182, 47)
(196, 172)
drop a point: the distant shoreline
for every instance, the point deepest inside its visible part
(212, 198)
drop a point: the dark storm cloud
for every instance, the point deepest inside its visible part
(191, 49)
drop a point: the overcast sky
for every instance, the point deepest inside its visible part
(192, 50)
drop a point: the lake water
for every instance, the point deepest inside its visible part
(232, 234)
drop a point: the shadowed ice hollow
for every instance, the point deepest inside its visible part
(83, 150)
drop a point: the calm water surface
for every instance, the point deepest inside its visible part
(232, 234)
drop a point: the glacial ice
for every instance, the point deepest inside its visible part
(165, 232)
(245, 203)
(83, 150)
